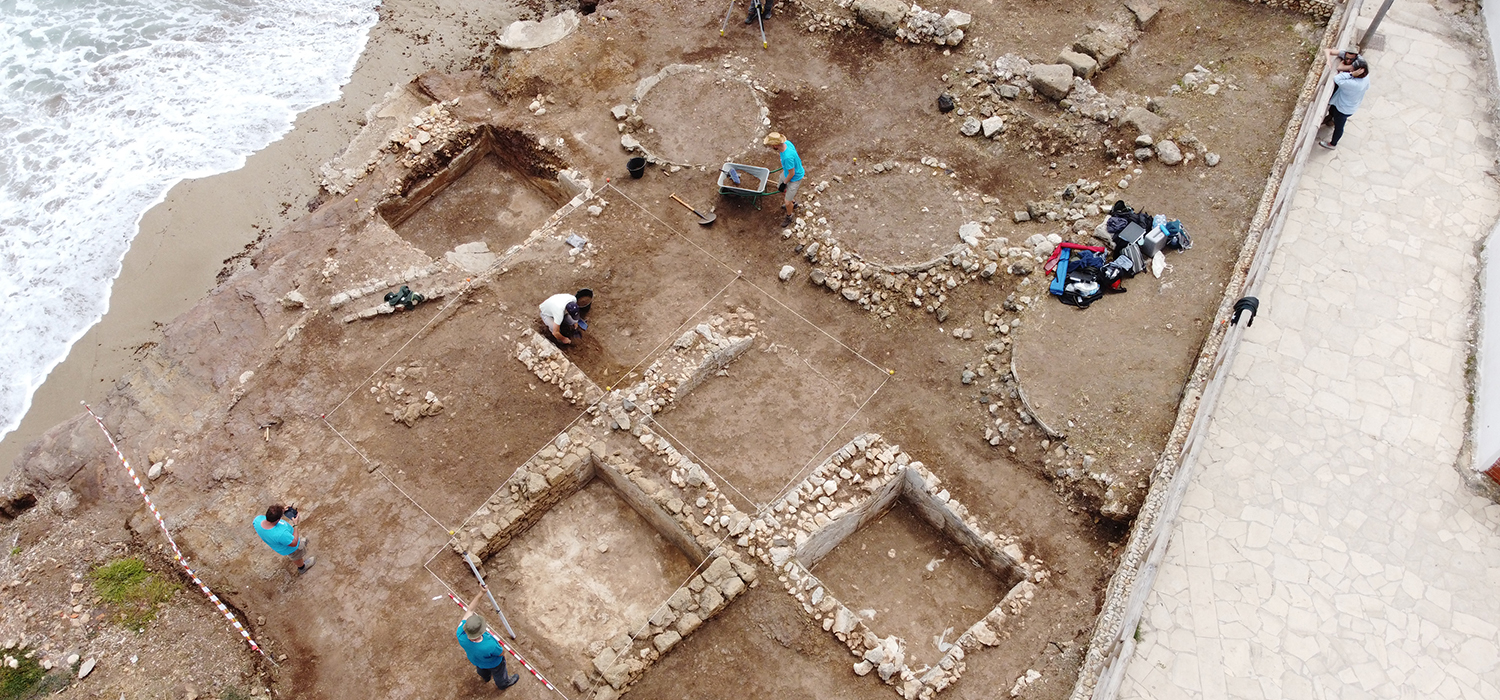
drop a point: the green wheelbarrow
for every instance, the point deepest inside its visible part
(752, 182)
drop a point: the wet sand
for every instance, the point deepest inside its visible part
(184, 241)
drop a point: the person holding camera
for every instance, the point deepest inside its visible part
(278, 529)
(791, 172)
(1350, 85)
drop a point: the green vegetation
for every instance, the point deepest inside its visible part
(19, 682)
(131, 591)
(233, 692)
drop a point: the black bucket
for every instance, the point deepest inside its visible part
(637, 167)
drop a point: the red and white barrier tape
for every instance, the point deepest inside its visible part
(508, 648)
(176, 553)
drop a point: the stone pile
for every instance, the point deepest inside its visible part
(551, 366)
(369, 287)
(928, 27)
(855, 486)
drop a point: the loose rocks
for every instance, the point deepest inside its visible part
(971, 127)
(787, 271)
(1168, 152)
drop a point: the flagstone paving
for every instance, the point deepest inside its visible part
(1327, 547)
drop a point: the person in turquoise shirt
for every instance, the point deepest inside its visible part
(791, 172)
(280, 534)
(483, 650)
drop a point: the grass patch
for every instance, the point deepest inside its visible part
(132, 592)
(234, 693)
(19, 682)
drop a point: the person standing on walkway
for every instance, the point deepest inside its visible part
(483, 650)
(1350, 85)
(791, 172)
(278, 529)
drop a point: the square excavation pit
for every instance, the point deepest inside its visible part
(647, 282)
(584, 571)
(496, 190)
(765, 417)
(604, 567)
(428, 418)
(846, 504)
(906, 578)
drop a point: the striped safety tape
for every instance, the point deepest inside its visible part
(508, 648)
(176, 553)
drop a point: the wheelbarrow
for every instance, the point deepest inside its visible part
(752, 182)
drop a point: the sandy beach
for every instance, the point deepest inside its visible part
(185, 240)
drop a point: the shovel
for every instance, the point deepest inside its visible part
(703, 219)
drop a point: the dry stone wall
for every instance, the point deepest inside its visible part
(853, 487)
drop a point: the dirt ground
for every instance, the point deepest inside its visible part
(910, 581)
(581, 575)
(312, 424)
(491, 203)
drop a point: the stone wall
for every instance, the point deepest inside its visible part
(556, 472)
(853, 487)
(1317, 9)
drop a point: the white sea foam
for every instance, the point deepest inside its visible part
(104, 105)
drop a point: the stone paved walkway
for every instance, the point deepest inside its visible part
(1327, 547)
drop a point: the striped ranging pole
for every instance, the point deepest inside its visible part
(176, 552)
(510, 649)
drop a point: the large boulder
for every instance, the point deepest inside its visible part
(1053, 81)
(1168, 152)
(1144, 10)
(1083, 65)
(883, 16)
(526, 34)
(1143, 121)
(1105, 44)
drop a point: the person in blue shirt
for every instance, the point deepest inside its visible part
(791, 171)
(483, 650)
(280, 534)
(1350, 85)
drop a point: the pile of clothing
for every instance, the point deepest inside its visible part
(1081, 274)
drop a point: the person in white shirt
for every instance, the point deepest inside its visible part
(563, 315)
(1351, 82)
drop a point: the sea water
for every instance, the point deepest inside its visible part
(104, 106)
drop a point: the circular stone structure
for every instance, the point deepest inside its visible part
(694, 116)
(905, 215)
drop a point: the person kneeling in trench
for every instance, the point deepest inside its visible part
(563, 315)
(483, 650)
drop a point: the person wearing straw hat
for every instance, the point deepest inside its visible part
(791, 172)
(483, 650)
(277, 528)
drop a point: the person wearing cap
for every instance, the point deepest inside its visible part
(277, 528)
(791, 172)
(1350, 84)
(483, 650)
(563, 315)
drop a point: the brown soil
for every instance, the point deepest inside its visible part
(490, 203)
(848, 100)
(906, 579)
(761, 425)
(899, 217)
